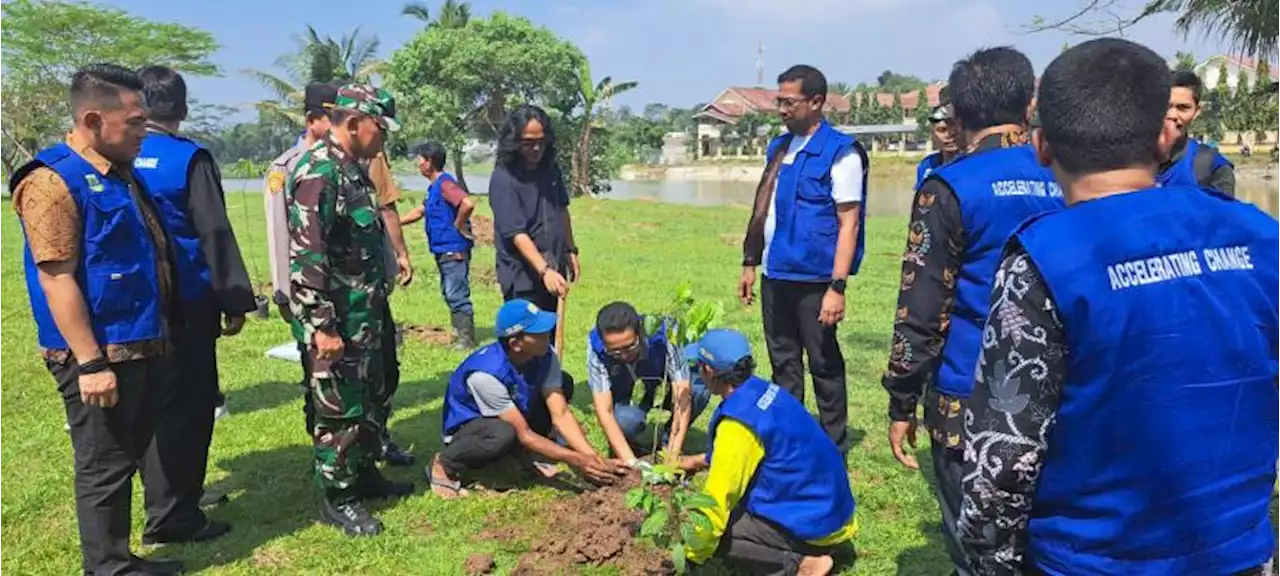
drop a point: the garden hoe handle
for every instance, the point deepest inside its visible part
(560, 329)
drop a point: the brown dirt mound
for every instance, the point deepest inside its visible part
(478, 564)
(482, 227)
(429, 334)
(594, 528)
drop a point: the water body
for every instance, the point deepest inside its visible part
(887, 196)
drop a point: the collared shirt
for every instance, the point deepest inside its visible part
(738, 453)
(846, 187)
(207, 209)
(997, 495)
(534, 203)
(54, 234)
(277, 179)
(930, 265)
(599, 378)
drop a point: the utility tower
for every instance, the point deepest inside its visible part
(760, 63)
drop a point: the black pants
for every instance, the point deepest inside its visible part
(174, 467)
(483, 441)
(948, 471)
(544, 300)
(753, 545)
(380, 394)
(108, 445)
(791, 328)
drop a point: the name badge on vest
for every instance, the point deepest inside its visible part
(95, 185)
(146, 163)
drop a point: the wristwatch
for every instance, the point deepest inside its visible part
(837, 285)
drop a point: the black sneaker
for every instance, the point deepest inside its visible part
(157, 566)
(394, 456)
(371, 484)
(210, 530)
(351, 516)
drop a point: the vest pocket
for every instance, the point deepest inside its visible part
(114, 294)
(110, 224)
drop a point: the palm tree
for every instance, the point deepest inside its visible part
(1250, 26)
(590, 94)
(453, 14)
(351, 58)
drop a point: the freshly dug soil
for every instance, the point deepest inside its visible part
(478, 564)
(593, 528)
(429, 334)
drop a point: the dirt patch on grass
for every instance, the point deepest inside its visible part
(478, 564)
(482, 227)
(429, 333)
(485, 275)
(272, 558)
(592, 529)
(731, 239)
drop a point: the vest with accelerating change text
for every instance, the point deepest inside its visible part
(997, 189)
(442, 236)
(650, 366)
(460, 406)
(803, 246)
(117, 266)
(1191, 168)
(801, 484)
(1163, 459)
(926, 167)
(164, 164)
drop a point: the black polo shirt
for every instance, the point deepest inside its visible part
(534, 203)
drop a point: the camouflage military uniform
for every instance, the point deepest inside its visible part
(338, 277)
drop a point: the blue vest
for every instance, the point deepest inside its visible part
(1183, 173)
(164, 164)
(651, 366)
(117, 266)
(801, 485)
(803, 246)
(926, 167)
(460, 406)
(1164, 456)
(442, 236)
(997, 190)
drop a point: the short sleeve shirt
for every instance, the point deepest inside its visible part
(600, 380)
(533, 203)
(492, 396)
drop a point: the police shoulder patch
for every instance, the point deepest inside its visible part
(275, 181)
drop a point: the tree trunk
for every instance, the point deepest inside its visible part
(458, 161)
(584, 164)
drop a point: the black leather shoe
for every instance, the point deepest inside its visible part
(352, 517)
(211, 529)
(212, 498)
(158, 566)
(394, 456)
(371, 484)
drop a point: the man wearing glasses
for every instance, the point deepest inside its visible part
(622, 351)
(806, 236)
(338, 276)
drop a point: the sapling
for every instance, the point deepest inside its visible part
(673, 518)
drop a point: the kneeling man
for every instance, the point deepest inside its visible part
(505, 399)
(782, 499)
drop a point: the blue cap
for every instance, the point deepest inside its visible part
(720, 349)
(522, 316)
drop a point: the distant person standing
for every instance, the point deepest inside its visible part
(1192, 162)
(100, 275)
(537, 255)
(943, 140)
(1123, 418)
(806, 234)
(183, 179)
(960, 219)
(338, 266)
(448, 209)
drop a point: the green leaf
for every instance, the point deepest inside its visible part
(700, 500)
(635, 497)
(687, 533)
(649, 503)
(678, 559)
(655, 523)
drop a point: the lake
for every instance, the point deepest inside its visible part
(889, 196)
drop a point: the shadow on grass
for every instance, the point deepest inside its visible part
(931, 558)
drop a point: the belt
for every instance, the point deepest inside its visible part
(452, 256)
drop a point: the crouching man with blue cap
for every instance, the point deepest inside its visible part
(505, 399)
(783, 504)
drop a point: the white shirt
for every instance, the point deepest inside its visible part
(846, 187)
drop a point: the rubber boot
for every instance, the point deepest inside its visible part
(464, 330)
(345, 511)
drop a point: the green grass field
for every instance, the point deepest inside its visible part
(630, 250)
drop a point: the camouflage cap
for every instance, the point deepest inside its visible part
(375, 102)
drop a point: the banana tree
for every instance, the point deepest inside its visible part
(592, 93)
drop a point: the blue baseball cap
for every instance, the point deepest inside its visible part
(522, 316)
(721, 349)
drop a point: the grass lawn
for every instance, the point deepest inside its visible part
(637, 251)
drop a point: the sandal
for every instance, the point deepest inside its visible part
(447, 489)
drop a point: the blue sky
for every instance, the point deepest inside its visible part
(681, 52)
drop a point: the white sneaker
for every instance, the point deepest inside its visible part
(220, 411)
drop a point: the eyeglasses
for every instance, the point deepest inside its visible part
(532, 143)
(624, 351)
(786, 103)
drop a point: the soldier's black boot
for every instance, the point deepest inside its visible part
(347, 512)
(464, 330)
(372, 485)
(395, 455)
